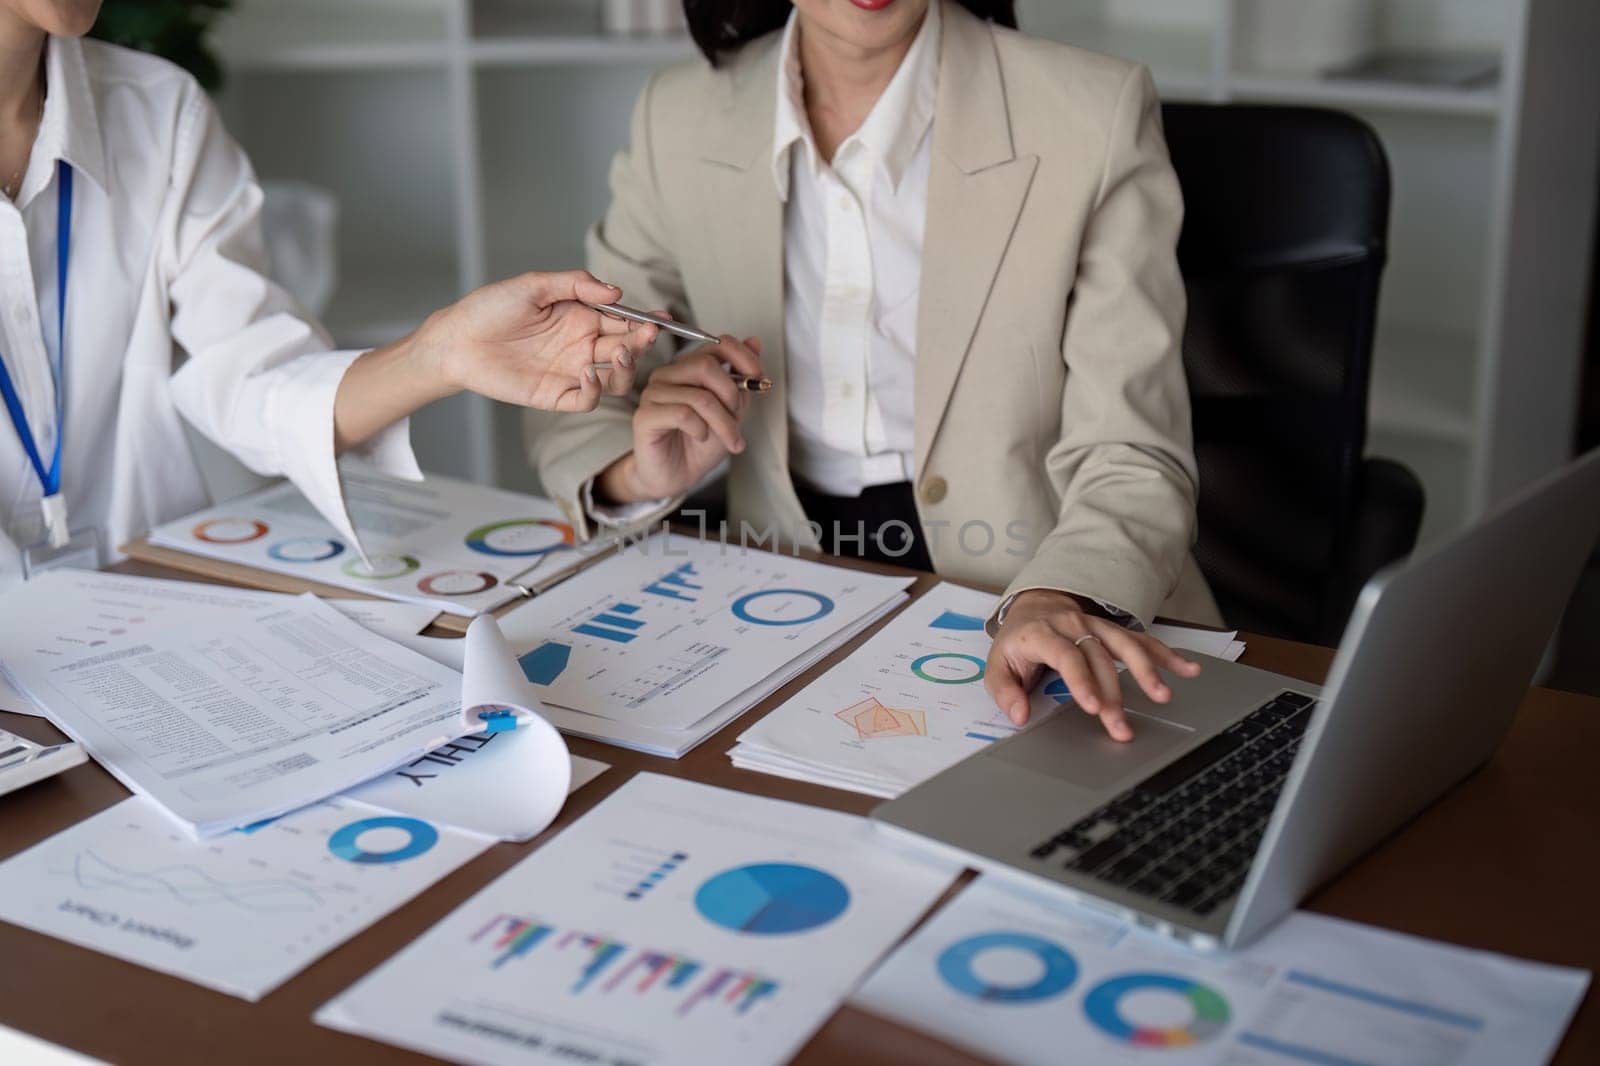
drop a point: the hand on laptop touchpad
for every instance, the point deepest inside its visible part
(1073, 746)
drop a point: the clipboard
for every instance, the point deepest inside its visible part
(270, 581)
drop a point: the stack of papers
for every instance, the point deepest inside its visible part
(910, 702)
(228, 707)
(1026, 979)
(224, 717)
(674, 923)
(667, 641)
(449, 544)
(243, 911)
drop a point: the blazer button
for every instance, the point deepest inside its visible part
(934, 489)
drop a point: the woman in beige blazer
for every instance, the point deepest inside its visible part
(952, 248)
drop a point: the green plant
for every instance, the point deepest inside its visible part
(172, 29)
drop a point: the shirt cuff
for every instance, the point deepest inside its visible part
(620, 515)
(301, 407)
(1112, 612)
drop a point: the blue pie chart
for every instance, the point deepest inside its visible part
(346, 842)
(772, 899)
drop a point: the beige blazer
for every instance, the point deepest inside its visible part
(1052, 425)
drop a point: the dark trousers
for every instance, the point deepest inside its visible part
(881, 524)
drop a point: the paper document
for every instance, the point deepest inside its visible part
(909, 702)
(1030, 979)
(667, 640)
(387, 618)
(449, 544)
(114, 605)
(224, 716)
(240, 913)
(674, 923)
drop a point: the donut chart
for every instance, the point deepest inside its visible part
(381, 567)
(772, 899)
(229, 530)
(521, 537)
(1057, 690)
(1058, 969)
(949, 668)
(1103, 1007)
(774, 612)
(457, 583)
(306, 549)
(346, 842)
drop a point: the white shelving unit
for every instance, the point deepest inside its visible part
(470, 139)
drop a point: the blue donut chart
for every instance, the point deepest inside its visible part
(956, 968)
(345, 842)
(306, 549)
(741, 607)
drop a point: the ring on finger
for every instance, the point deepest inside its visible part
(1086, 636)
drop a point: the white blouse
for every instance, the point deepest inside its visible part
(852, 256)
(169, 309)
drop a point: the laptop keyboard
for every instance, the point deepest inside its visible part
(1186, 835)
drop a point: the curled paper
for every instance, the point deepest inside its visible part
(509, 784)
(495, 693)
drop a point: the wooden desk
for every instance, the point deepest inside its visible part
(1505, 862)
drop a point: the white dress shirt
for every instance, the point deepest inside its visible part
(166, 255)
(852, 246)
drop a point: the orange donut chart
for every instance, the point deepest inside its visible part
(521, 537)
(229, 530)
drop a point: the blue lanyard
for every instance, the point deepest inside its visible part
(49, 480)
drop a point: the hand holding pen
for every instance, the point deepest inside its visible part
(689, 415)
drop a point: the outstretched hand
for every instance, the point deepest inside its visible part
(529, 340)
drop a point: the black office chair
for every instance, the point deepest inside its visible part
(1283, 244)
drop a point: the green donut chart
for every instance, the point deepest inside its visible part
(380, 567)
(928, 668)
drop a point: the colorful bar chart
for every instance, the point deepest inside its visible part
(605, 965)
(741, 991)
(512, 937)
(603, 951)
(673, 971)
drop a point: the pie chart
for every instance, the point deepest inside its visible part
(772, 899)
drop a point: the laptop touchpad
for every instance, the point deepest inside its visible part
(1073, 746)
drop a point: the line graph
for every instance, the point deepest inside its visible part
(192, 886)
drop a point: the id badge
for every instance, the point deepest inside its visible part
(82, 552)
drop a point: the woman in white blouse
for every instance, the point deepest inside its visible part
(957, 246)
(130, 230)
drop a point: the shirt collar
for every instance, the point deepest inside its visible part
(70, 128)
(894, 128)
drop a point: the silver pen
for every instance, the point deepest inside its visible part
(670, 325)
(630, 314)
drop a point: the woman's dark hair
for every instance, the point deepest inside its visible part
(722, 25)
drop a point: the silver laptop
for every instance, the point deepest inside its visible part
(1250, 789)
